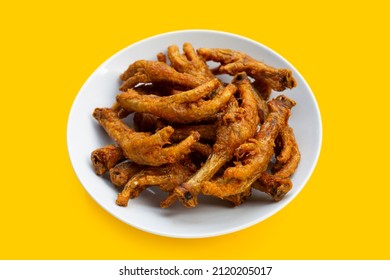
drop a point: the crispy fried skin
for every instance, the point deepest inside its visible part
(143, 89)
(156, 72)
(189, 62)
(122, 172)
(284, 144)
(237, 125)
(184, 93)
(255, 151)
(166, 177)
(287, 168)
(141, 147)
(233, 62)
(261, 102)
(183, 107)
(255, 154)
(189, 95)
(262, 107)
(274, 186)
(105, 158)
(207, 131)
(235, 200)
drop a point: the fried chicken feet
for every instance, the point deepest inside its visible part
(189, 62)
(289, 157)
(156, 72)
(255, 154)
(142, 147)
(237, 125)
(185, 107)
(233, 62)
(177, 102)
(166, 177)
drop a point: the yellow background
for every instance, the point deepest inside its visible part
(49, 49)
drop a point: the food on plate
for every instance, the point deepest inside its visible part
(236, 125)
(123, 171)
(255, 154)
(262, 106)
(156, 72)
(189, 62)
(283, 144)
(285, 167)
(185, 107)
(166, 177)
(144, 89)
(180, 126)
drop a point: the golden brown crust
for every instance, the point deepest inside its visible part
(233, 62)
(261, 101)
(284, 144)
(156, 72)
(105, 158)
(166, 177)
(180, 101)
(185, 107)
(237, 125)
(143, 89)
(286, 169)
(189, 62)
(122, 172)
(255, 154)
(141, 147)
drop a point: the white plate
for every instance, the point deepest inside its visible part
(211, 217)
